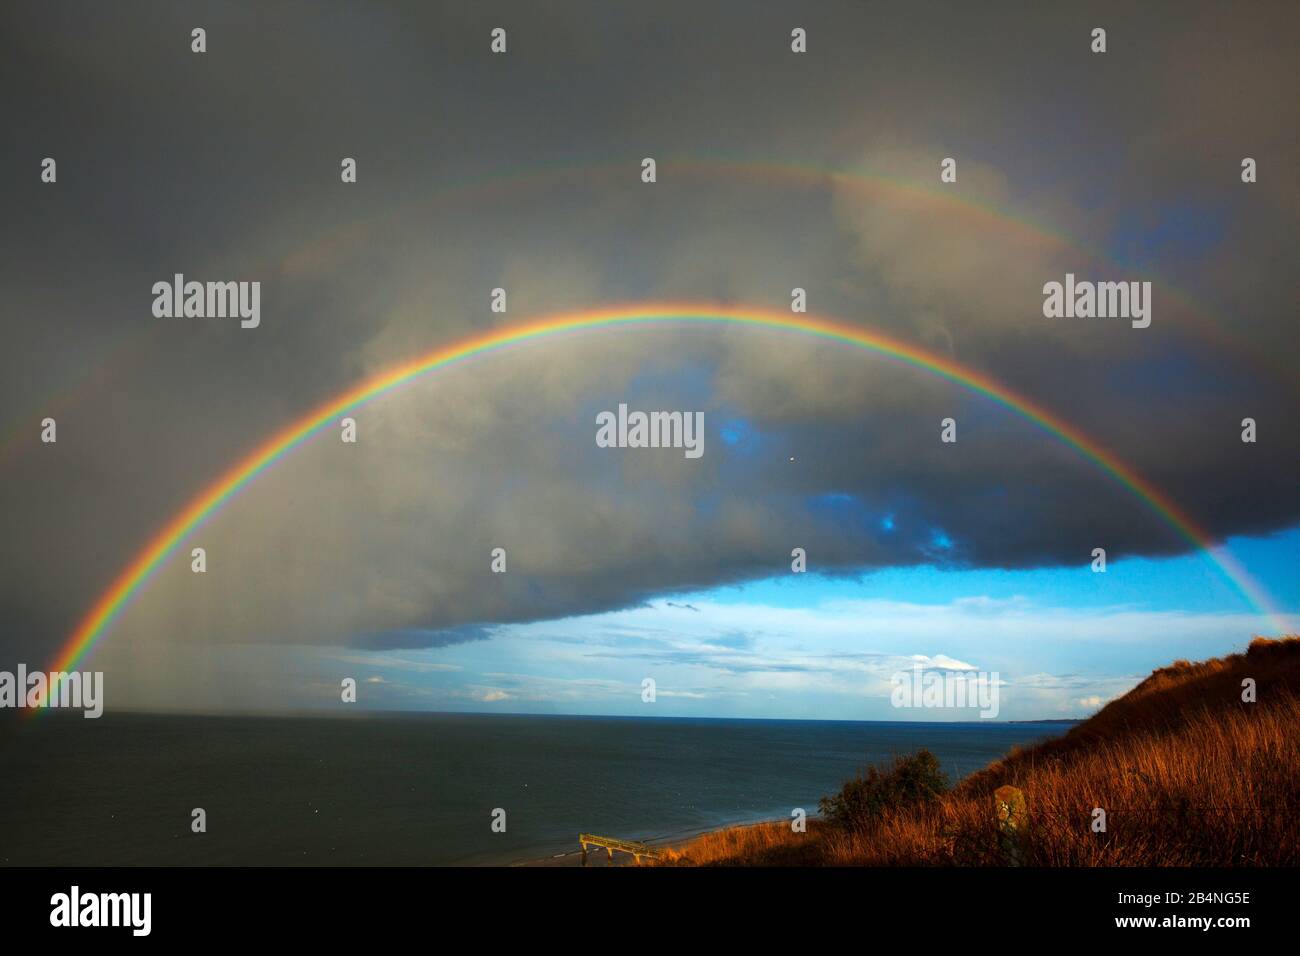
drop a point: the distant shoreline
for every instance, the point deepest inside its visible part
(345, 712)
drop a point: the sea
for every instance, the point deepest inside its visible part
(426, 789)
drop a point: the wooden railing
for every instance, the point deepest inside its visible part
(610, 844)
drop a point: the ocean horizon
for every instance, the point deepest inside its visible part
(406, 788)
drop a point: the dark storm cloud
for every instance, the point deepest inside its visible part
(422, 638)
(225, 166)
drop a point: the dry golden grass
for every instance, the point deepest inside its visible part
(766, 843)
(1187, 773)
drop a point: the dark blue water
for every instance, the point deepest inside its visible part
(421, 789)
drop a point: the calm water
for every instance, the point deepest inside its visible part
(420, 789)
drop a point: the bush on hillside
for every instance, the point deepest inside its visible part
(910, 781)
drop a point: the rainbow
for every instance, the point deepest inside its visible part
(324, 251)
(132, 579)
(874, 187)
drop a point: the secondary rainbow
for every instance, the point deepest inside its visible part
(129, 582)
(320, 253)
(872, 185)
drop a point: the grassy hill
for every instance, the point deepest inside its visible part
(1186, 772)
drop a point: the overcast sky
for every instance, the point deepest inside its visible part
(522, 171)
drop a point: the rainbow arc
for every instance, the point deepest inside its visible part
(132, 579)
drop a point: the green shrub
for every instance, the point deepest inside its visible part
(909, 781)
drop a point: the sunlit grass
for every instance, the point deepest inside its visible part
(1188, 774)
